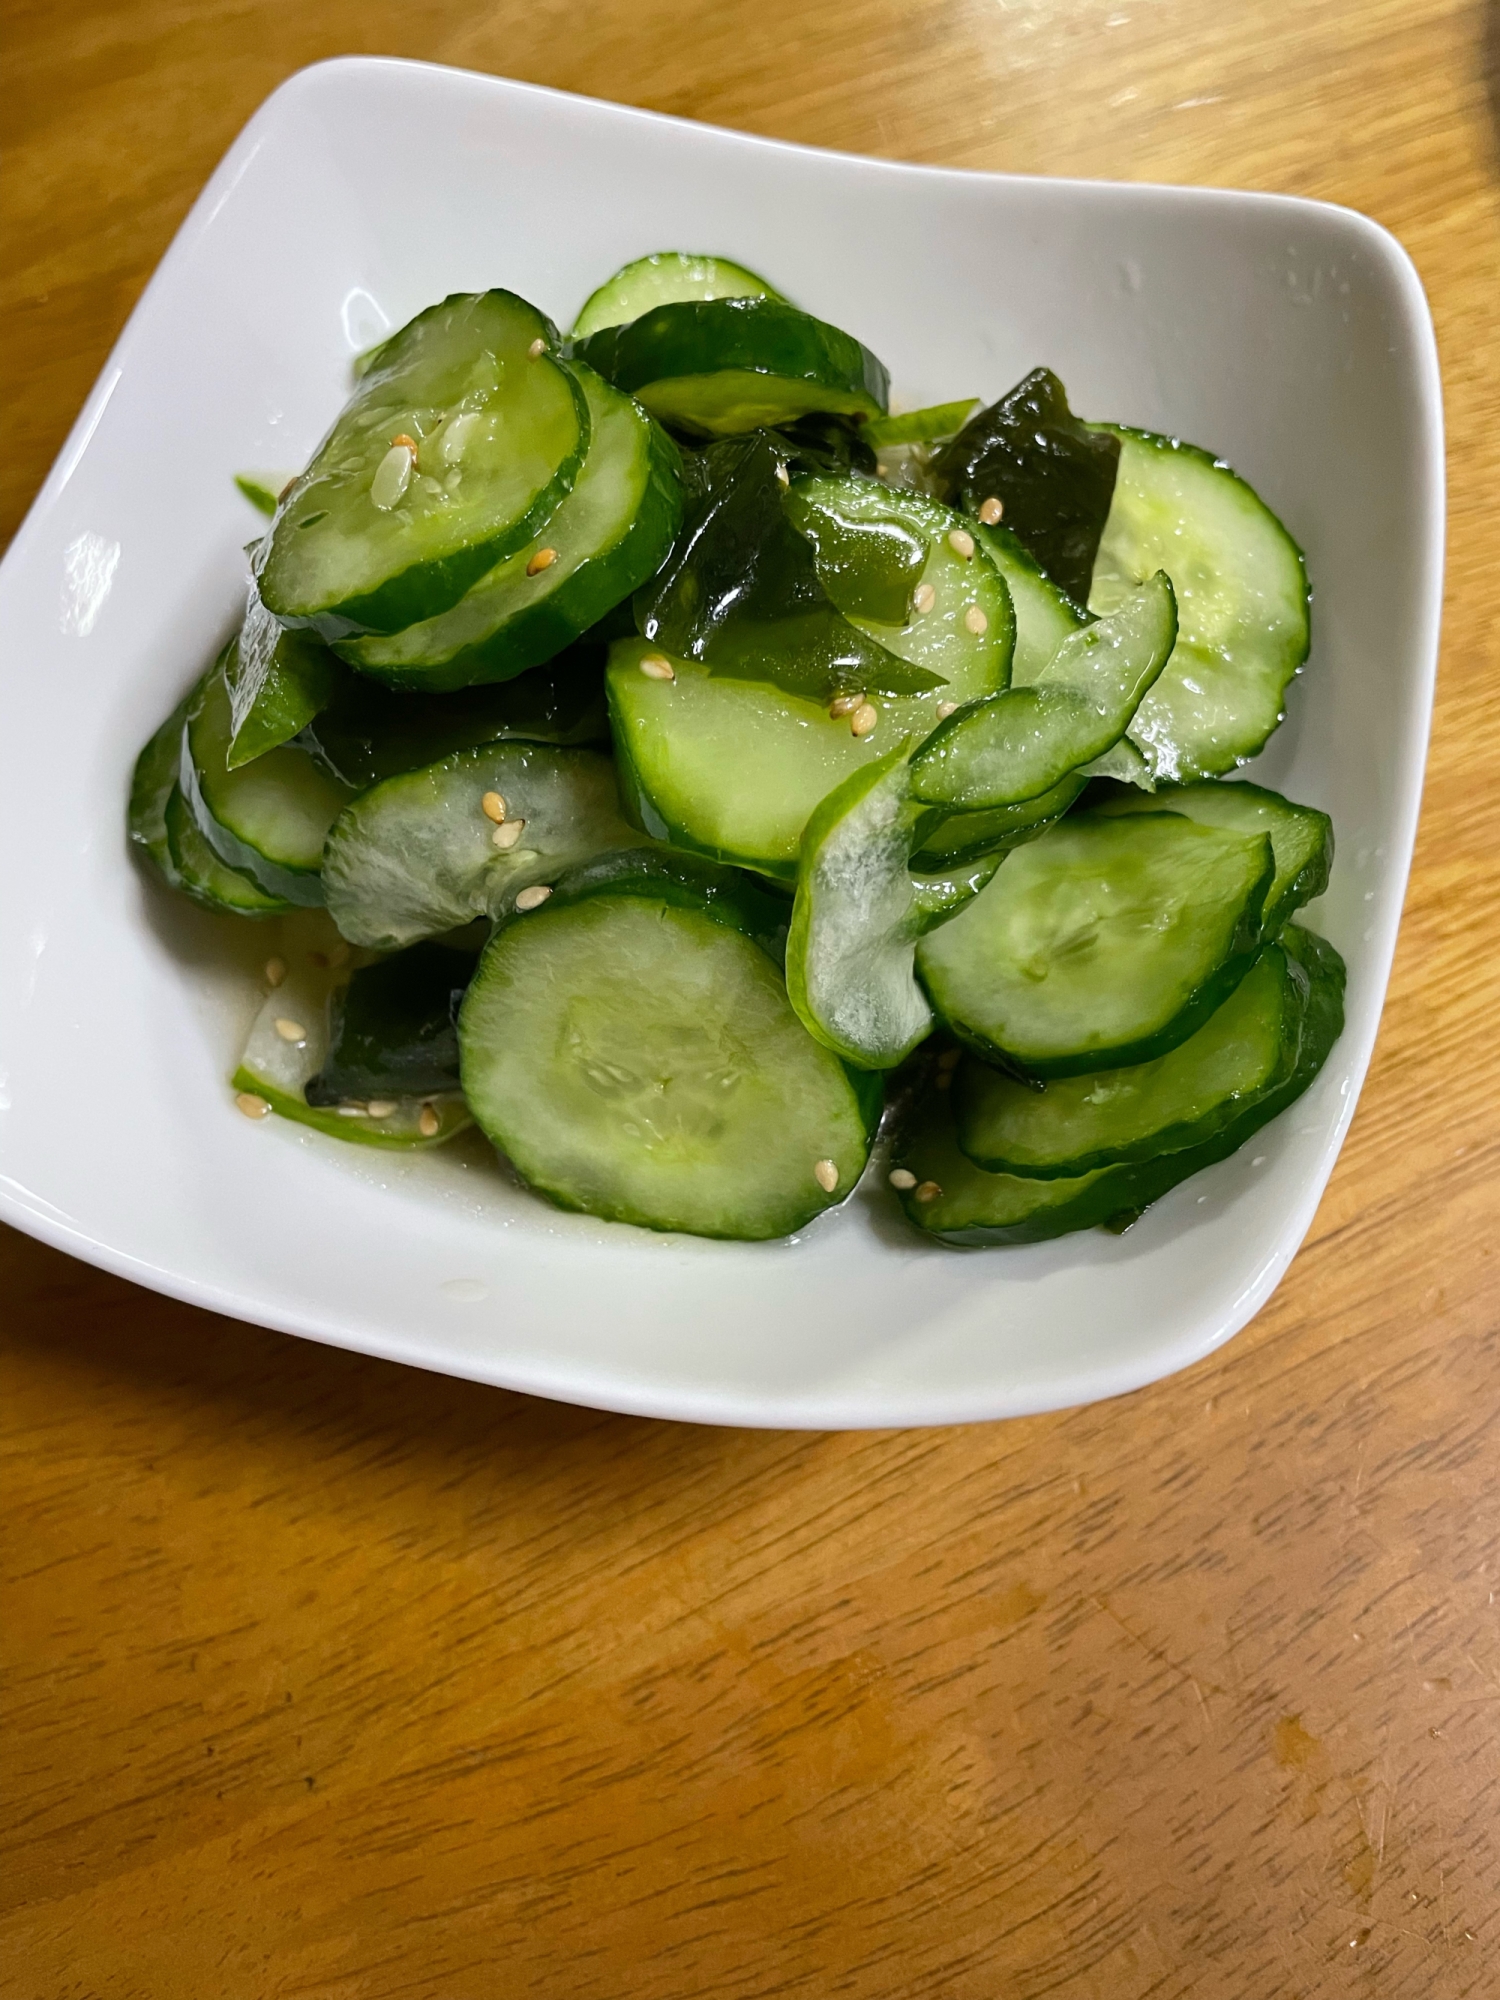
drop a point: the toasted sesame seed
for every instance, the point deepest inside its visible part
(826, 1174)
(290, 1031)
(507, 834)
(543, 559)
(275, 970)
(428, 1122)
(382, 1107)
(928, 1191)
(409, 442)
(783, 477)
(881, 468)
(251, 1106)
(961, 542)
(945, 709)
(975, 619)
(864, 718)
(902, 1178)
(924, 597)
(493, 807)
(655, 668)
(845, 704)
(537, 348)
(990, 510)
(534, 897)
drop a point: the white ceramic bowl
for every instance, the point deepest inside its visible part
(1291, 337)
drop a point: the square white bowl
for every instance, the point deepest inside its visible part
(1291, 337)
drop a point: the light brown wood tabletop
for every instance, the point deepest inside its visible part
(332, 1680)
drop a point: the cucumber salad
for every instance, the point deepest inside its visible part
(703, 766)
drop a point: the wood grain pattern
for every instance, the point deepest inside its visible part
(332, 1681)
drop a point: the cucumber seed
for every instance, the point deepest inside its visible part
(543, 559)
(251, 1106)
(507, 835)
(354, 1111)
(864, 718)
(290, 1031)
(990, 510)
(826, 1174)
(975, 619)
(945, 709)
(381, 1107)
(902, 1178)
(961, 542)
(428, 1122)
(655, 668)
(924, 597)
(493, 807)
(845, 704)
(534, 897)
(783, 477)
(537, 348)
(928, 1191)
(455, 435)
(275, 971)
(392, 477)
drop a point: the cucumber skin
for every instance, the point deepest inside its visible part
(453, 1115)
(215, 886)
(593, 591)
(980, 846)
(152, 783)
(1121, 1193)
(621, 284)
(303, 889)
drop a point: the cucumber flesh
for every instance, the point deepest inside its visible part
(368, 732)
(1090, 950)
(1242, 603)
(278, 680)
(972, 836)
(721, 367)
(1301, 836)
(269, 819)
(1045, 616)
(416, 856)
(198, 872)
(1024, 742)
(666, 278)
(372, 538)
(277, 1066)
(393, 1030)
(636, 1057)
(1104, 1118)
(926, 426)
(605, 538)
(956, 1202)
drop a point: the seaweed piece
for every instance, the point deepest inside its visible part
(392, 1030)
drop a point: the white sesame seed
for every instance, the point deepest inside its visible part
(655, 668)
(826, 1174)
(275, 970)
(543, 559)
(492, 805)
(990, 510)
(392, 477)
(251, 1106)
(961, 542)
(902, 1178)
(537, 348)
(975, 619)
(928, 1191)
(845, 704)
(506, 835)
(945, 709)
(428, 1122)
(864, 718)
(534, 897)
(924, 597)
(290, 1031)
(382, 1107)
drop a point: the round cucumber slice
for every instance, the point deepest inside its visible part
(1090, 950)
(269, 818)
(152, 784)
(198, 872)
(717, 367)
(605, 538)
(376, 535)
(1242, 603)
(635, 1056)
(422, 854)
(971, 836)
(1045, 615)
(666, 278)
(277, 679)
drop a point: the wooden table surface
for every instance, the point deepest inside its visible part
(335, 1681)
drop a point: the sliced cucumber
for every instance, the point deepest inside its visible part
(287, 1047)
(1242, 602)
(268, 819)
(199, 873)
(152, 784)
(666, 278)
(368, 732)
(374, 535)
(718, 367)
(1109, 1117)
(393, 1030)
(605, 538)
(1045, 615)
(957, 1202)
(1090, 951)
(417, 855)
(278, 680)
(969, 837)
(926, 426)
(1301, 836)
(635, 1055)
(1024, 742)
